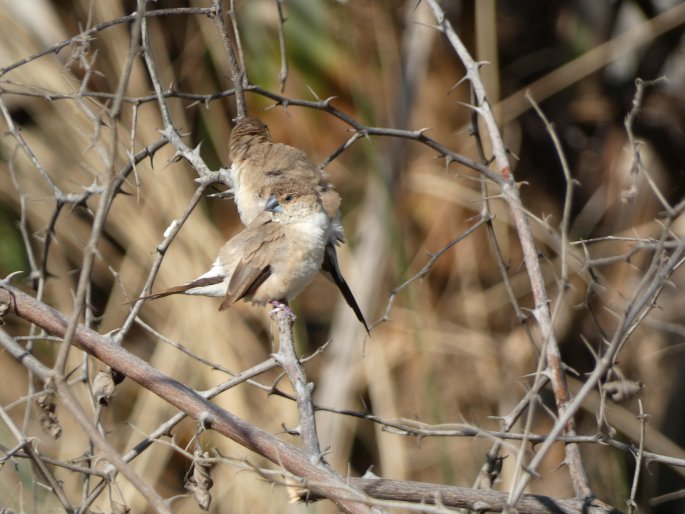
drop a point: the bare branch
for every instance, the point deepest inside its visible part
(237, 73)
(287, 358)
(211, 416)
(283, 74)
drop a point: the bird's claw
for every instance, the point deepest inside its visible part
(280, 306)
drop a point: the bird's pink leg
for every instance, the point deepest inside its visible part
(280, 306)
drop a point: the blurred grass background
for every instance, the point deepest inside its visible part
(453, 350)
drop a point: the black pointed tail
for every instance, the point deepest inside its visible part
(331, 269)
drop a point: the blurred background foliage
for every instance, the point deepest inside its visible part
(453, 350)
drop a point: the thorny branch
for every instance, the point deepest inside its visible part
(287, 358)
(541, 311)
(237, 72)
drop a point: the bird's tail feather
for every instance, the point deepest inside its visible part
(331, 270)
(200, 282)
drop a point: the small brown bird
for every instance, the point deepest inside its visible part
(259, 165)
(273, 259)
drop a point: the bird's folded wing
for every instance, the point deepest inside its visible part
(263, 242)
(244, 282)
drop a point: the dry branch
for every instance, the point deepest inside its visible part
(102, 347)
(473, 499)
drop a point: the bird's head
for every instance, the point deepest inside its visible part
(245, 133)
(290, 204)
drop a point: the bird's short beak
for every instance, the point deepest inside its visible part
(272, 205)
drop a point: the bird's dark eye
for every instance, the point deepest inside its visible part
(288, 198)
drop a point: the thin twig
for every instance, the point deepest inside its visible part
(169, 236)
(632, 506)
(568, 200)
(237, 73)
(238, 43)
(127, 19)
(426, 269)
(638, 167)
(283, 73)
